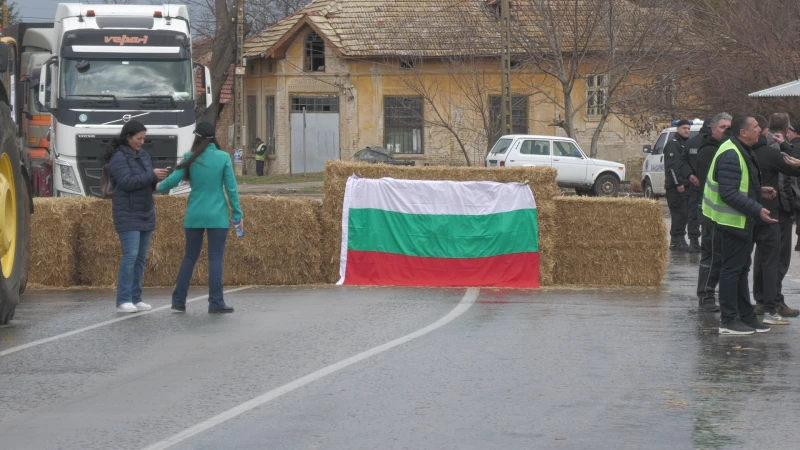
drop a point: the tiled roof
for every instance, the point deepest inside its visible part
(421, 28)
(202, 55)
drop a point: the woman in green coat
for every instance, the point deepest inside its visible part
(208, 169)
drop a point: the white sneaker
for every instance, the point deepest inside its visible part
(141, 306)
(127, 308)
(774, 319)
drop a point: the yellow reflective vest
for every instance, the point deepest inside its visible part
(261, 152)
(713, 206)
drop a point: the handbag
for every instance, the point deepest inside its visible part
(106, 183)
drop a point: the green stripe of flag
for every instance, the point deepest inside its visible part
(443, 236)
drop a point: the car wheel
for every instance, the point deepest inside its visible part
(647, 189)
(606, 186)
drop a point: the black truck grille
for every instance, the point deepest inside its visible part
(91, 150)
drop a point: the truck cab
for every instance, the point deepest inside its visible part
(653, 176)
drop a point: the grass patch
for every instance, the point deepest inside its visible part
(281, 179)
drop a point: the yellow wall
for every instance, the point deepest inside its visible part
(361, 86)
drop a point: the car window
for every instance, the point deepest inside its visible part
(538, 148)
(566, 149)
(501, 146)
(660, 144)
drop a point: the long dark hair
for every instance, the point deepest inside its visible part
(131, 128)
(203, 137)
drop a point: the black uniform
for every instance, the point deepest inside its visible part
(772, 257)
(694, 193)
(711, 245)
(677, 174)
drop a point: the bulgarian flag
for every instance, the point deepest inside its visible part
(439, 233)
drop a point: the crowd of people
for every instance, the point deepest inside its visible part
(734, 187)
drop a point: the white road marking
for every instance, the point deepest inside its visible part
(466, 302)
(102, 324)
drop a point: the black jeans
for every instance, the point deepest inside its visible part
(734, 293)
(765, 267)
(260, 168)
(710, 262)
(786, 223)
(693, 198)
(216, 252)
(677, 203)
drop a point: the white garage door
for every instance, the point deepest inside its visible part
(315, 133)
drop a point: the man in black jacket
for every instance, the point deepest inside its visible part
(675, 182)
(793, 136)
(737, 316)
(694, 192)
(711, 248)
(773, 252)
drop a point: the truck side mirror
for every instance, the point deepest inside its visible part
(647, 149)
(4, 53)
(207, 82)
(44, 81)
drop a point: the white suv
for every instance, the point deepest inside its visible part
(575, 170)
(653, 166)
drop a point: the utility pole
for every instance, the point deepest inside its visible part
(5, 17)
(238, 138)
(505, 20)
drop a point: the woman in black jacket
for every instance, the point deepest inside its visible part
(131, 170)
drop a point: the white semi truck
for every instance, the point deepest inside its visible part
(112, 64)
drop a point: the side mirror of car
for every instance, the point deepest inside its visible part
(647, 149)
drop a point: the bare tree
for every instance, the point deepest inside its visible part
(616, 48)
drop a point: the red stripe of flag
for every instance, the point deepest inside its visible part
(519, 270)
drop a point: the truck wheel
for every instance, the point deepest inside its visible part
(14, 226)
(647, 189)
(606, 186)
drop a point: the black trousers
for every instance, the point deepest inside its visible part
(785, 222)
(710, 262)
(260, 168)
(678, 211)
(734, 292)
(693, 198)
(765, 267)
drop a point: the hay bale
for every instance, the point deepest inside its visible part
(280, 247)
(542, 183)
(54, 233)
(610, 242)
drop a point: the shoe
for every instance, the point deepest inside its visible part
(679, 246)
(179, 308)
(797, 247)
(142, 306)
(127, 308)
(223, 310)
(760, 309)
(694, 246)
(708, 306)
(785, 311)
(773, 318)
(735, 328)
(756, 324)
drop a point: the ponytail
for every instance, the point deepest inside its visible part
(204, 136)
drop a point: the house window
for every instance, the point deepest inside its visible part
(519, 116)
(596, 93)
(407, 64)
(315, 104)
(269, 136)
(314, 53)
(403, 131)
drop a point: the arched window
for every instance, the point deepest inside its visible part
(314, 53)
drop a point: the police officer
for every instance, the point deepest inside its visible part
(261, 155)
(677, 179)
(694, 192)
(731, 199)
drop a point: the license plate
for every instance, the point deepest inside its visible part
(492, 163)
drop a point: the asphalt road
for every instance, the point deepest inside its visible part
(365, 368)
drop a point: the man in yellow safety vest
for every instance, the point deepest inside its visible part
(731, 199)
(261, 155)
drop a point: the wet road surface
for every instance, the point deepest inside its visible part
(433, 369)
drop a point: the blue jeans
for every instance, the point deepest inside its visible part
(131, 267)
(216, 251)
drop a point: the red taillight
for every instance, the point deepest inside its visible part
(502, 163)
(157, 14)
(90, 13)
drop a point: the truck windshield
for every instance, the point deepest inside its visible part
(120, 79)
(501, 146)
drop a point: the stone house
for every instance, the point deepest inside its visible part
(341, 75)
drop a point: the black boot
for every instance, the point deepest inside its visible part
(694, 245)
(708, 305)
(678, 245)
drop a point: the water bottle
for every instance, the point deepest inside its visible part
(237, 225)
